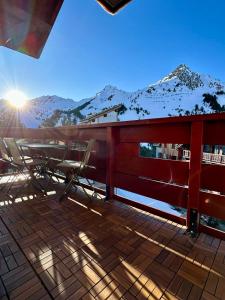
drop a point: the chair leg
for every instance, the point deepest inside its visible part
(8, 185)
(31, 180)
(67, 189)
(74, 179)
(34, 181)
(20, 172)
(9, 181)
(90, 184)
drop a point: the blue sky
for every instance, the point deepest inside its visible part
(88, 48)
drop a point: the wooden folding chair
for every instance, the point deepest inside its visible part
(77, 169)
(25, 165)
(11, 177)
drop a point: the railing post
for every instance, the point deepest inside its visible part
(193, 217)
(111, 142)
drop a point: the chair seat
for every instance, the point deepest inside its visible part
(32, 162)
(26, 158)
(54, 160)
(70, 164)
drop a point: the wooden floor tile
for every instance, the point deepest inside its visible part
(79, 249)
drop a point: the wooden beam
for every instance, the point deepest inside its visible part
(195, 177)
(110, 165)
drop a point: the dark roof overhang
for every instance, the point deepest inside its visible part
(113, 6)
(25, 24)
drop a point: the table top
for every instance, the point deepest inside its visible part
(43, 146)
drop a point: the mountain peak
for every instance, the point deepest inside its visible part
(186, 76)
(178, 72)
(107, 90)
(181, 69)
(109, 87)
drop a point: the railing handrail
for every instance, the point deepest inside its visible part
(175, 119)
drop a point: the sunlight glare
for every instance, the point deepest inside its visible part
(16, 98)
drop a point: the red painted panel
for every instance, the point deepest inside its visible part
(213, 177)
(73, 133)
(158, 169)
(158, 133)
(212, 231)
(175, 195)
(19, 132)
(93, 161)
(96, 174)
(212, 205)
(214, 133)
(98, 156)
(130, 149)
(58, 133)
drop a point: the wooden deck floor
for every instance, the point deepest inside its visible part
(81, 250)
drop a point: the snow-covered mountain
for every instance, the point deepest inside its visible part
(181, 92)
(39, 109)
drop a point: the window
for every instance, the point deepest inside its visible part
(164, 151)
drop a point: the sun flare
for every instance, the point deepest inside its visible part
(16, 98)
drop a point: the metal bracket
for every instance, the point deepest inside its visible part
(194, 221)
(107, 194)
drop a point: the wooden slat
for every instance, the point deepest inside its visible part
(212, 231)
(213, 177)
(169, 133)
(212, 205)
(127, 149)
(172, 194)
(214, 132)
(159, 169)
(20, 132)
(60, 133)
(96, 174)
(75, 133)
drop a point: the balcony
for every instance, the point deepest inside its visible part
(120, 248)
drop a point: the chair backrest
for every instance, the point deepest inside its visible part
(87, 153)
(3, 150)
(14, 151)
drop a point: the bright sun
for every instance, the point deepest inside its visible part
(16, 98)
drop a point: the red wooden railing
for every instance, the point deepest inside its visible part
(197, 186)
